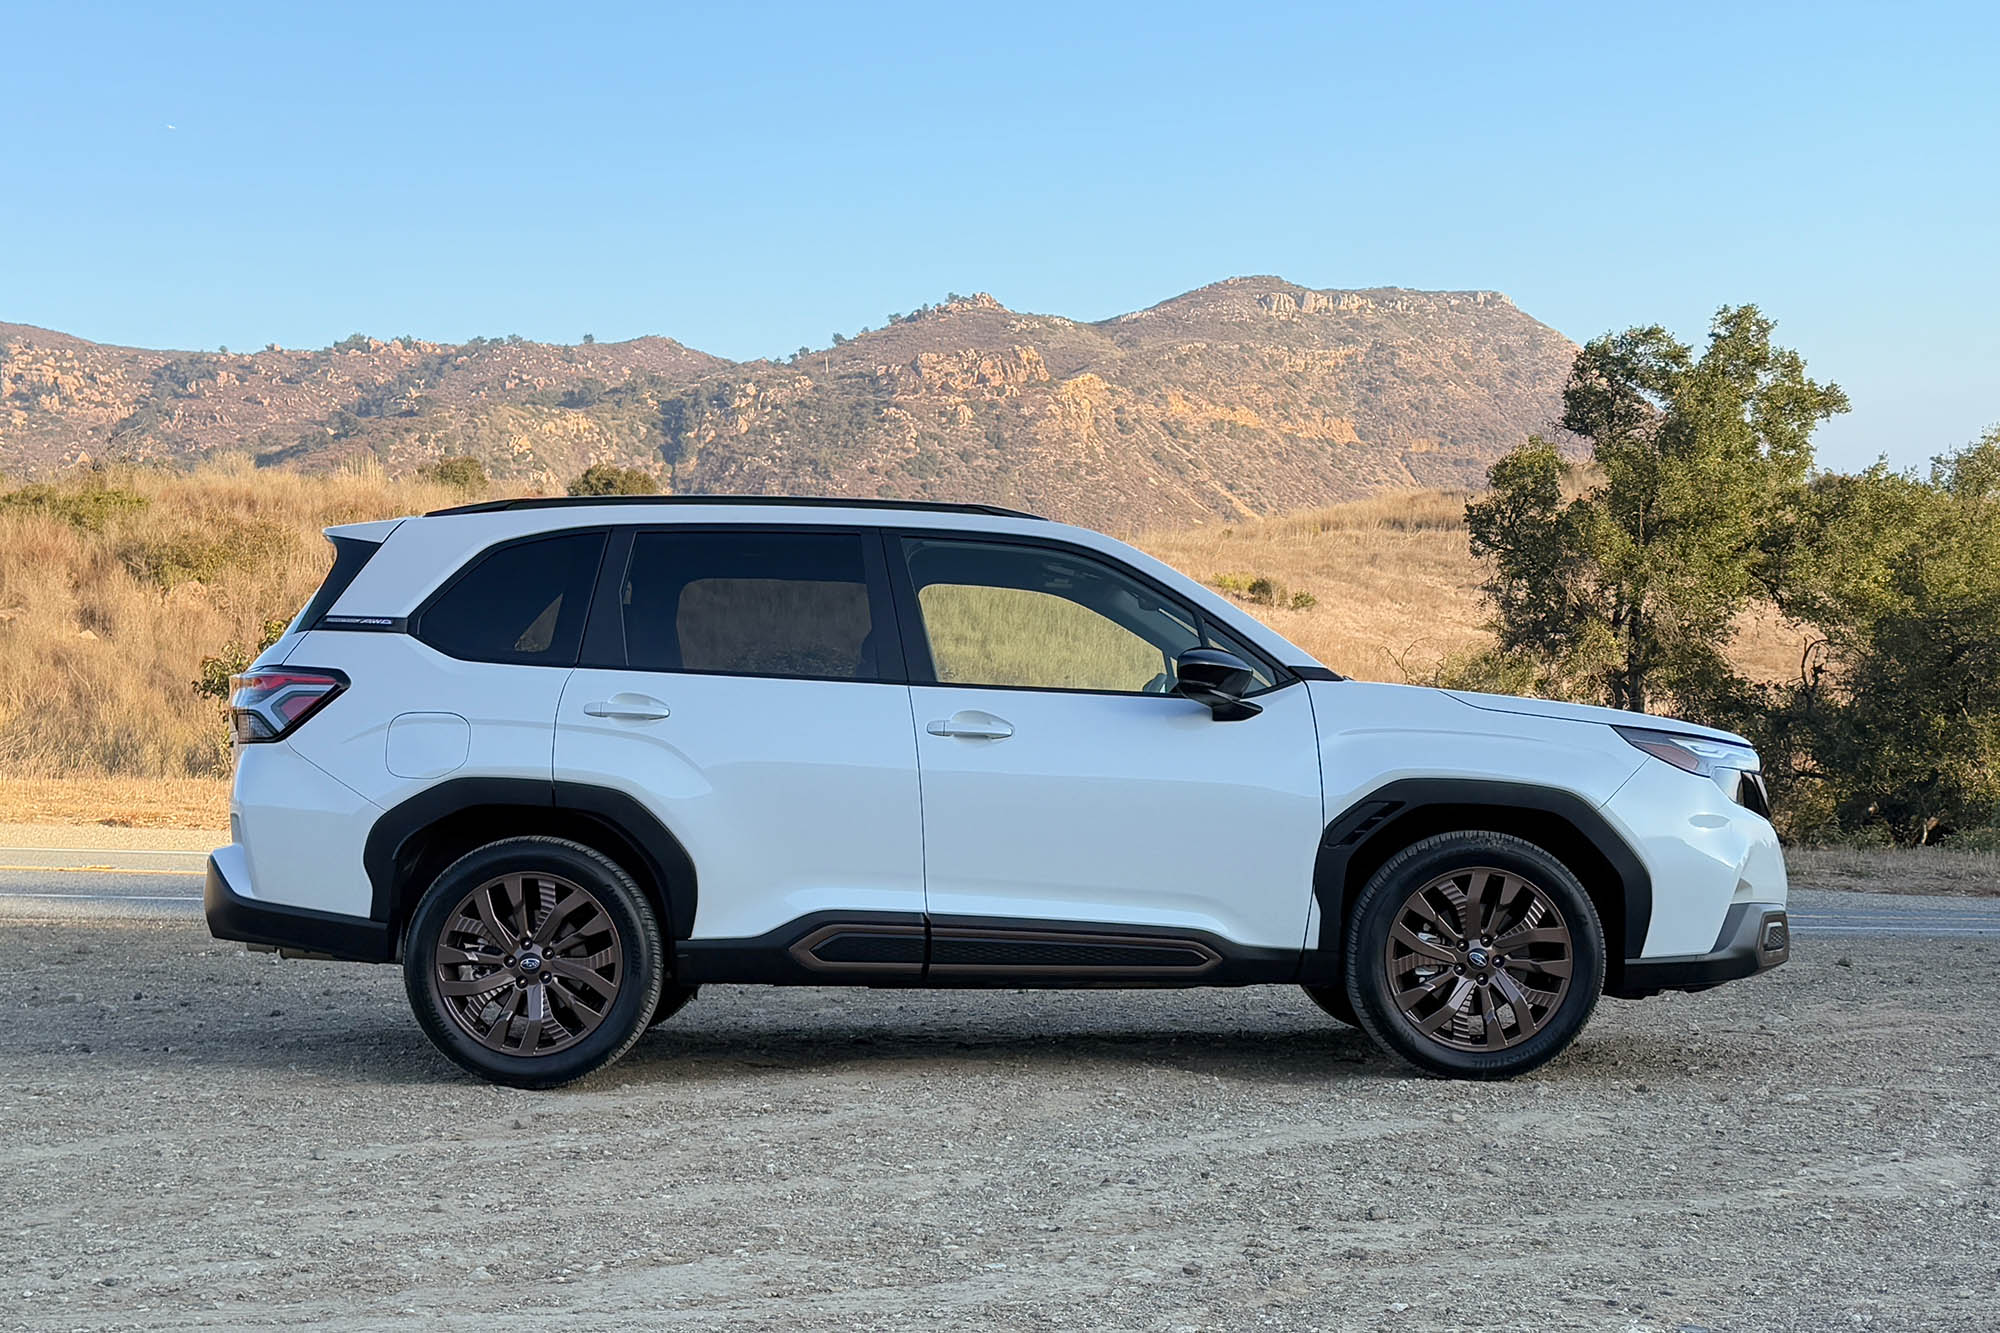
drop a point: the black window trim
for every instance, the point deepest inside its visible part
(414, 622)
(916, 643)
(604, 647)
(350, 556)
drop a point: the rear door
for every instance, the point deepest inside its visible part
(747, 685)
(1064, 781)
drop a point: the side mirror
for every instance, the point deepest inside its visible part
(1220, 680)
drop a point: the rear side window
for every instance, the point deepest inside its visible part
(524, 602)
(755, 603)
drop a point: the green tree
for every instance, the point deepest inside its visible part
(1627, 591)
(610, 479)
(1893, 727)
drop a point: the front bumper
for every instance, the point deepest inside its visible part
(1755, 937)
(297, 930)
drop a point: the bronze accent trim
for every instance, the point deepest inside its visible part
(802, 951)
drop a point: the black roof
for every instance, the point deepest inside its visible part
(797, 501)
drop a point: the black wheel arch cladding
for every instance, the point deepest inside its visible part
(413, 841)
(1378, 825)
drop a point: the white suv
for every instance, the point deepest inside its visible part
(569, 760)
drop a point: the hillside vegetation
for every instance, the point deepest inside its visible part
(116, 584)
(1248, 397)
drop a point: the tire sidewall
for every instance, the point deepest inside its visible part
(1367, 982)
(641, 964)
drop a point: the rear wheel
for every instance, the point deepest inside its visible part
(534, 961)
(1474, 955)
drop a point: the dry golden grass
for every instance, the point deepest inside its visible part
(103, 629)
(104, 620)
(137, 803)
(1394, 584)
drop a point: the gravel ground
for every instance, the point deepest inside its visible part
(198, 1136)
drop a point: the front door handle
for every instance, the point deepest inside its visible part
(972, 724)
(628, 708)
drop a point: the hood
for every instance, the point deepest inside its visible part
(1610, 717)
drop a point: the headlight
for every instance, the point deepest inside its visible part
(1732, 767)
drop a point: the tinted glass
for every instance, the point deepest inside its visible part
(767, 604)
(1029, 616)
(521, 603)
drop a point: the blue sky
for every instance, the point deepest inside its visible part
(749, 178)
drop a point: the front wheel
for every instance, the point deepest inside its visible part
(534, 961)
(1474, 955)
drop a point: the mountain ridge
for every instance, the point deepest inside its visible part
(1248, 396)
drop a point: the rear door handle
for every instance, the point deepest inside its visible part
(629, 708)
(972, 724)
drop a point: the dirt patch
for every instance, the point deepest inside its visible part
(197, 1136)
(1896, 870)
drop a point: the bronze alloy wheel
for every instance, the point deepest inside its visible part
(1478, 959)
(528, 964)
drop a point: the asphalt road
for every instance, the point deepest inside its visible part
(59, 885)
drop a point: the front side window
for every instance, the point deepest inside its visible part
(1034, 617)
(753, 603)
(523, 602)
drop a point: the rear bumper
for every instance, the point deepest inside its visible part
(234, 915)
(1755, 937)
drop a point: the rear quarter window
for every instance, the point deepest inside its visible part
(523, 602)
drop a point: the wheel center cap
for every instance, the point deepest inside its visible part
(1475, 956)
(531, 963)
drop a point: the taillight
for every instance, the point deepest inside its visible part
(271, 705)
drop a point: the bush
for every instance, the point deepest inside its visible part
(233, 660)
(88, 509)
(610, 479)
(204, 554)
(586, 392)
(458, 472)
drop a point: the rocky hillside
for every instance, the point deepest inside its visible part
(1251, 396)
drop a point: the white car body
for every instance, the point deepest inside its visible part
(935, 810)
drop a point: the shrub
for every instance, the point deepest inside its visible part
(586, 392)
(1303, 601)
(233, 660)
(87, 509)
(458, 472)
(203, 554)
(610, 479)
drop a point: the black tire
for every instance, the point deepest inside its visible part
(1333, 999)
(673, 999)
(631, 948)
(1504, 865)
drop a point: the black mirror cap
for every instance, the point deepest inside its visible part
(1220, 680)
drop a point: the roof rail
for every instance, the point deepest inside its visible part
(797, 501)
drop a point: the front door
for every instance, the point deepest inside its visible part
(1063, 782)
(753, 701)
